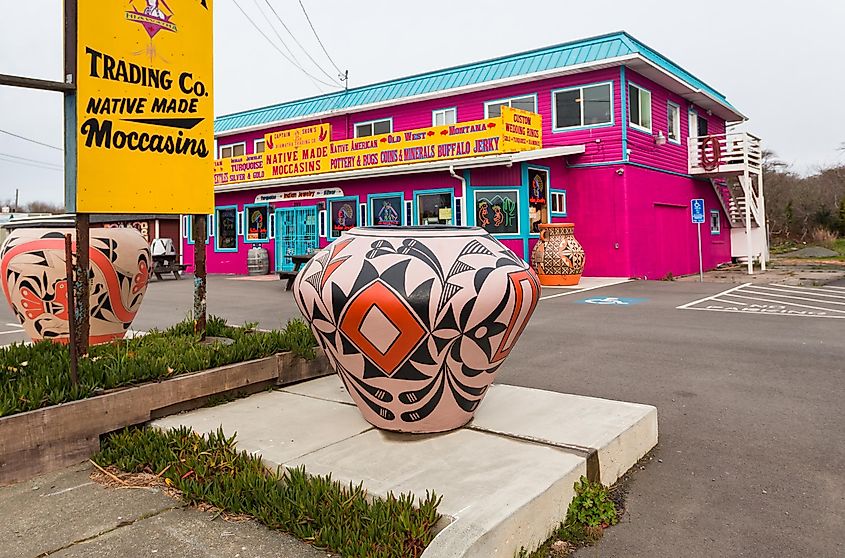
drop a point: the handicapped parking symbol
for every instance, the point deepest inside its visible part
(611, 301)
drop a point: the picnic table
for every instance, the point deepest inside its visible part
(298, 260)
(167, 263)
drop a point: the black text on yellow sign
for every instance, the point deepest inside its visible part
(144, 108)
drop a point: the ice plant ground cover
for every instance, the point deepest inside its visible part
(37, 375)
(208, 470)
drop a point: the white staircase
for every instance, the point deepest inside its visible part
(733, 163)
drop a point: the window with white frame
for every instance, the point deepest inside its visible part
(444, 117)
(493, 109)
(258, 146)
(373, 128)
(232, 150)
(590, 105)
(715, 222)
(558, 199)
(673, 117)
(640, 107)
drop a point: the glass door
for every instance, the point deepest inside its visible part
(296, 233)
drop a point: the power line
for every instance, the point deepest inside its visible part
(298, 43)
(301, 5)
(40, 162)
(31, 140)
(284, 44)
(44, 166)
(263, 34)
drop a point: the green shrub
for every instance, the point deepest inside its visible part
(37, 375)
(590, 511)
(339, 518)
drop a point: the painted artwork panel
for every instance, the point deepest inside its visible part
(497, 212)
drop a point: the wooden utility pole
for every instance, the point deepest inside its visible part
(199, 233)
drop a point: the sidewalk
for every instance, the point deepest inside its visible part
(66, 515)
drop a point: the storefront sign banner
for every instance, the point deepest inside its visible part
(319, 134)
(144, 108)
(514, 131)
(299, 195)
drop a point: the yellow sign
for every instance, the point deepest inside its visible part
(516, 130)
(144, 108)
(298, 137)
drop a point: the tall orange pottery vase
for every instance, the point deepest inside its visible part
(558, 258)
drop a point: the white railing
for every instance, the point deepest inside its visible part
(731, 153)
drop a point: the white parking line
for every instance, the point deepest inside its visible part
(781, 302)
(11, 331)
(749, 291)
(14, 325)
(585, 289)
(705, 299)
(772, 300)
(823, 291)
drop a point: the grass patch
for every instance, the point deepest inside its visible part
(594, 508)
(339, 518)
(38, 375)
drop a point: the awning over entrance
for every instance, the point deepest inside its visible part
(411, 168)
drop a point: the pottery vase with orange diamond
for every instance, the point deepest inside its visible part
(34, 277)
(416, 320)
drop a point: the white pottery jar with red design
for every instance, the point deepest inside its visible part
(34, 277)
(416, 320)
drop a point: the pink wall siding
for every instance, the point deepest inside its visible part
(660, 235)
(669, 156)
(236, 262)
(470, 106)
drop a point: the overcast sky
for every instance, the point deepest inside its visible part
(778, 61)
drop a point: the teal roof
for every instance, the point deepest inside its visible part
(549, 58)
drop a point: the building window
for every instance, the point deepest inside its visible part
(538, 187)
(343, 215)
(583, 106)
(497, 211)
(558, 202)
(258, 146)
(257, 224)
(226, 235)
(373, 128)
(715, 222)
(232, 150)
(493, 109)
(673, 117)
(640, 110)
(386, 210)
(434, 208)
(444, 117)
(702, 126)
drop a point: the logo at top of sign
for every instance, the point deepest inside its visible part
(153, 17)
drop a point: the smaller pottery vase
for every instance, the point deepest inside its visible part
(558, 258)
(34, 277)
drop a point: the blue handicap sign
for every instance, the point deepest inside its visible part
(612, 301)
(697, 207)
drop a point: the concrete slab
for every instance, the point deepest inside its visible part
(588, 283)
(506, 480)
(189, 532)
(277, 425)
(328, 388)
(621, 432)
(54, 510)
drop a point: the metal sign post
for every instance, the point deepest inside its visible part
(697, 209)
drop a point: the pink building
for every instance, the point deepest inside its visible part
(628, 140)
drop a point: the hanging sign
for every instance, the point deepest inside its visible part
(516, 130)
(144, 108)
(299, 195)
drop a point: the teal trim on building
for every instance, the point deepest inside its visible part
(585, 51)
(623, 97)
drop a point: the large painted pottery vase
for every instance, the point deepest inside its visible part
(32, 265)
(558, 257)
(416, 320)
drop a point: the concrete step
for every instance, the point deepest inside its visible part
(506, 479)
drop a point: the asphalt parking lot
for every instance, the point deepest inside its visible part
(750, 403)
